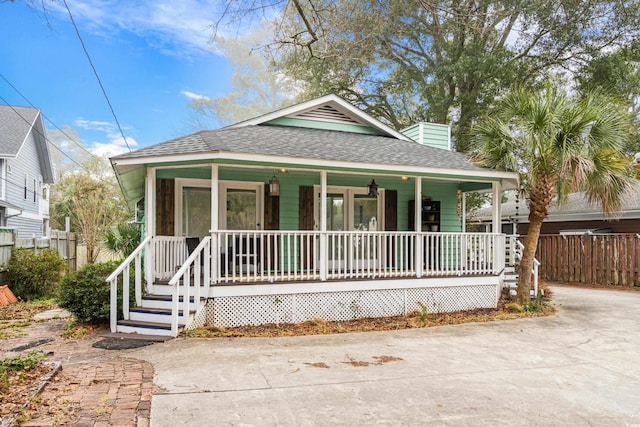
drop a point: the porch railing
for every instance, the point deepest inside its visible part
(170, 253)
(194, 275)
(280, 256)
(122, 274)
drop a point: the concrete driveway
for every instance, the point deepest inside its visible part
(580, 367)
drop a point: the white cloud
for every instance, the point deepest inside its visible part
(183, 27)
(194, 96)
(114, 147)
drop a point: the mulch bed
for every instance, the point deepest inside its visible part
(409, 321)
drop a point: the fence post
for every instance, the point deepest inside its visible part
(68, 249)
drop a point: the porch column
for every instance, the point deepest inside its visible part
(215, 224)
(496, 218)
(150, 225)
(496, 225)
(418, 226)
(323, 226)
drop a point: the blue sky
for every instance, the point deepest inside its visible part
(152, 56)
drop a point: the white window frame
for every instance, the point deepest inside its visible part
(349, 194)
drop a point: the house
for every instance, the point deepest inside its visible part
(314, 211)
(575, 216)
(25, 171)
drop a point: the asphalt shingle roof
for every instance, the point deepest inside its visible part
(576, 203)
(13, 128)
(310, 144)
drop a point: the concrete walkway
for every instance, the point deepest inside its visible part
(580, 367)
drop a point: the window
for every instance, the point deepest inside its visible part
(35, 191)
(26, 187)
(44, 193)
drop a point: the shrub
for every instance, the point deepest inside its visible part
(86, 294)
(32, 276)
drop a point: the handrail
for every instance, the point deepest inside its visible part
(534, 270)
(184, 275)
(129, 259)
(123, 268)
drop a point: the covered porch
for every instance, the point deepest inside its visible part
(315, 210)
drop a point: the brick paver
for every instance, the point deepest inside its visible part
(96, 387)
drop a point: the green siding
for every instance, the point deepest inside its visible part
(317, 124)
(291, 181)
(433, 134)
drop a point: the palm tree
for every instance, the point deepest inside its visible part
(558, 145)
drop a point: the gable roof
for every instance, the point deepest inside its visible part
(16, 123)
(576, 208)
(304, 143)
(328, 108)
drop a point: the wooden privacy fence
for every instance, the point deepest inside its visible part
(62, 242)
(603, 259)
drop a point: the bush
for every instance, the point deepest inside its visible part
(86, 294)
(32, 276)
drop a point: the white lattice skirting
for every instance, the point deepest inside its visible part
(232, 311)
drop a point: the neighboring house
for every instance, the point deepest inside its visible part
(575, 216)
(306, 212)
(25, 171)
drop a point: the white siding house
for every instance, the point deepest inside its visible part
(25, 171)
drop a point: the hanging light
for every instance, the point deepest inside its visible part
(372, 188)
(274, 186)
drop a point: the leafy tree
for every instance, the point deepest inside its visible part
(617, 74)
(559, 145)
(93, 202)
(256, 88)
(405, 61)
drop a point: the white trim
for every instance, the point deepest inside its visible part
(26, 215)
(150, 202)
(400, 169)
(356, 285)
(349, 193)
(331, 99)
(241, 185)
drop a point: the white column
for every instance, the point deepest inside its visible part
(215, 221)
(418, 257)
(215, 224)
(150, 224)
(464, 210)
(324, 253)
(149, 203)
(496, 225)
(496, 222)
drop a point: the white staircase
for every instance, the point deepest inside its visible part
(514, 250)
(169, 306)
(154, 315)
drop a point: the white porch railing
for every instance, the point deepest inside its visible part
(275, 256)
(195, 273)
(516, 249)
(170, 253)
(143, 250)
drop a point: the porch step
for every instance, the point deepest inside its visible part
(155, 314)
(154, 301)
(136, 336)
(145, 328)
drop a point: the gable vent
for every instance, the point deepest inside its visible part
(327, 113)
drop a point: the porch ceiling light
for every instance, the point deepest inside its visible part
(274, 186)
(373, 188)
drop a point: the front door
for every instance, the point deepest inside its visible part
(350, 209)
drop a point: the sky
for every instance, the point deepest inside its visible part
(152, 57)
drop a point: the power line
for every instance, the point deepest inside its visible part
(95, 72)
(79, 144)
(41, 134)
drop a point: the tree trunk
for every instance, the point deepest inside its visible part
(525, 275)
